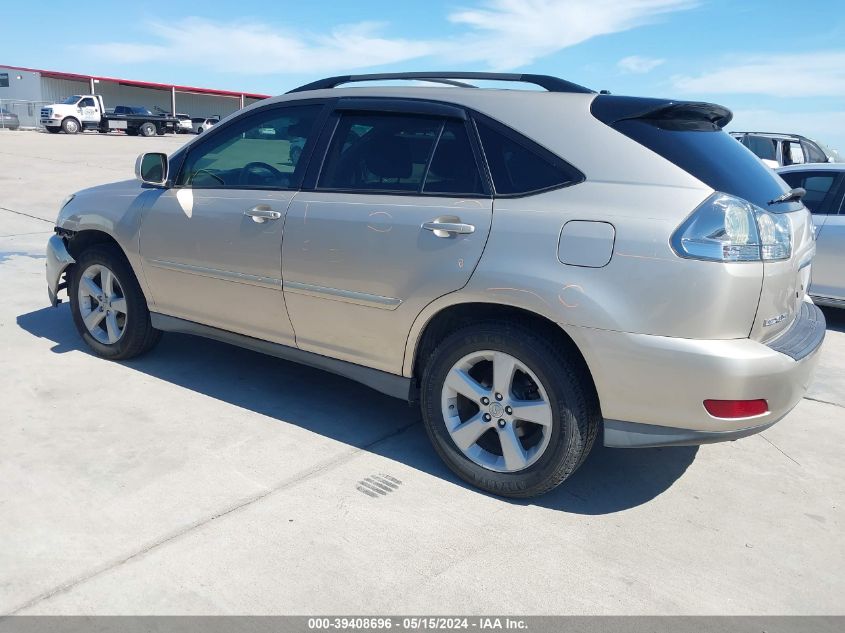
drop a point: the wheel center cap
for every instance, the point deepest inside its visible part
(496, 409)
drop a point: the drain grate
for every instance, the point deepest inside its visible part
(378, 485)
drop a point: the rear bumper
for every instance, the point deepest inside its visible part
(652, 388)
(58, 259)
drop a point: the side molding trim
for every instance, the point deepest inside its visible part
(390, 384)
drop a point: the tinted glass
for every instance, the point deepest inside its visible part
(814, 153)
(519, 166)
(711, 156)
(379, 152)
(791, 153)
(763, 147)
(453, 169)
(255, 152)
(86, 103)
(820, 187)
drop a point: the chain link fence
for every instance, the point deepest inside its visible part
(24, 115)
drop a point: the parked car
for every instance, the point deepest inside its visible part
(201, 124)
(88, 112)
(185, 125)
(777, 150)
(9, 120)
(825, 197)
(659, 295)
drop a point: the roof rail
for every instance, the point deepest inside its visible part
(552, 84)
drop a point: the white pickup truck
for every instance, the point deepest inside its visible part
(88, 112)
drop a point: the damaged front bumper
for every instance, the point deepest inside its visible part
(58, 259)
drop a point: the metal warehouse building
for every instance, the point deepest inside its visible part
(24, 90)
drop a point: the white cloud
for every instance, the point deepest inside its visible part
(500, 34)
(638, 65)
(815, 74)
(507, 34)
(256, 49)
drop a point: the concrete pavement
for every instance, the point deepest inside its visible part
(207, 479)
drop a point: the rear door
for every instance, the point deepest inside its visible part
(824, 198)
(397, 216)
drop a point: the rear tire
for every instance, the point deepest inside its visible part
(545, 385)
(110, 314)
(70, 125)
(147, 129)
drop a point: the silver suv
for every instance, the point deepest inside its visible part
(528, 266)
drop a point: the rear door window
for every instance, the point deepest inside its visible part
(393, 152)
(821, 189)
(518, 165)
(813, 153)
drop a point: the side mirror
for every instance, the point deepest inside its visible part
(151, 168)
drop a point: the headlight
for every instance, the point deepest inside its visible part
(725, 228)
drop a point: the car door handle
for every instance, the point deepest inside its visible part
(261, 213)
(447, 227)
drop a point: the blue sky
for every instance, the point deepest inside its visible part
(779, 65)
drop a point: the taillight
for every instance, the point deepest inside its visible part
(736, 408)
(725, 228)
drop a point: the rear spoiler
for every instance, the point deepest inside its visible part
(664, 113)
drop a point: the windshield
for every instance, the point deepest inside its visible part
(70, 100)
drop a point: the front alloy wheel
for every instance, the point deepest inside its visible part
(108, 306)
(102, 304)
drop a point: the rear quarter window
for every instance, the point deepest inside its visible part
(518, 165)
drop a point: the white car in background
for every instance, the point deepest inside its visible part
(185, 125)
(201, 124)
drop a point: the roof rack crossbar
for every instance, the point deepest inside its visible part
(552, 84)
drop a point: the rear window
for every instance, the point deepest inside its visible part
(713, 157)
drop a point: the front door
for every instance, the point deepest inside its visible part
(211, 245)
(399, 217)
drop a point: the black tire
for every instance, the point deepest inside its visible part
(139, 335)
(576, 415)
(71, 125)
(53, 130)
(147, 129)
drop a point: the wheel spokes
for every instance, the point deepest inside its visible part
(93, 318)
(536, 411)
(504, 367)
(464, 384)
(112, 328)
(467, 434)
(91, 288)
(512, 451)
(119, 305)
(107, 282)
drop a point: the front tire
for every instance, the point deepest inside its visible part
(506, 411)
(70, 125)
(108, 306)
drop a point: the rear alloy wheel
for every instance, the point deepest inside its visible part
(147, 129)
(70, 126)
(507, 412)
(109, 309)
